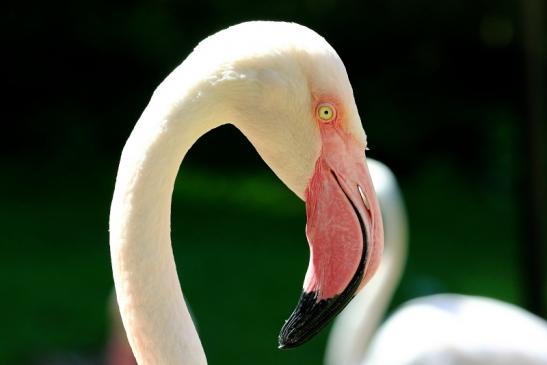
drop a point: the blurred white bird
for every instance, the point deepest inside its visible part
(444, 329)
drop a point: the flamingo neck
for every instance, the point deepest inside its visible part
(155, 316)
(356, 325)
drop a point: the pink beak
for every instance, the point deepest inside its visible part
(344, 231)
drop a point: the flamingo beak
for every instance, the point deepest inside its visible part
(344, 232)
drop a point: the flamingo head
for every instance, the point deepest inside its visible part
(344, 226)
(300, 114)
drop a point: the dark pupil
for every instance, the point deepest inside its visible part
(326, 112)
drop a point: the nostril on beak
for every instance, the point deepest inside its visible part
(363, 197)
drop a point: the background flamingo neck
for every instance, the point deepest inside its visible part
(155, 316)
(355, 326)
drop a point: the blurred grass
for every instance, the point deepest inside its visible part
(241, 254)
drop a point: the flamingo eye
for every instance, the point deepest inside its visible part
(326, 112)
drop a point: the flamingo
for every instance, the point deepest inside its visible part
(285, 88)
(448, 329)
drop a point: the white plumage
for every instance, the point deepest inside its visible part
(457, 329)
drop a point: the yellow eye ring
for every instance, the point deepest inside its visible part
(326, 112)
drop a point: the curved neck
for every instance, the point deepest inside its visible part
(156, 319)
(355, 326)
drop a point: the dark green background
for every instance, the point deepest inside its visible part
(441, 88)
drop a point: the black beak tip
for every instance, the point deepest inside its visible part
(288, 339)
(309, 317)
(285, 345)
